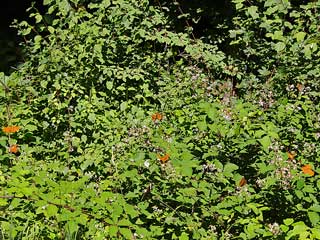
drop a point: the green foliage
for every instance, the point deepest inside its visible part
(130, 129)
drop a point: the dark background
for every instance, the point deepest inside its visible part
(11, 9)
(10, 53)
(213, 12)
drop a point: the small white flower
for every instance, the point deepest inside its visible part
(146, 164)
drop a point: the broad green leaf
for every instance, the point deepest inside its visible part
(51, 29)
(288, 221)
(51, 210)
(3, 202)
(184, 236)
(315, 233)
(113, 230)
(314, 217)
(47, 2)
(279, 46)
(278, 35)
(265, 142)
(229, 168)
(123, 106)
(300, 36)
(109, 85)
(126, 233)
(252, 10)
(315, 208)
(92, 117)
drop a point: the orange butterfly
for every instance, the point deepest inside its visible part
(291, 155)
(164, 158)
(156, 116)
(242, 182)
(300, 87)
(307, 169)
(14, 148)
(10, 129)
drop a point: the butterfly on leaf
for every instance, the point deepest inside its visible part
(156, 116)
(163, 159)
(14, 148)
(291, 155)
(10, 129)
(307, 169)
(300, 87)
(242, 182)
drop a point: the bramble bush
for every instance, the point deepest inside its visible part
(120, 125)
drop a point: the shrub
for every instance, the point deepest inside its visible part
(119, 126)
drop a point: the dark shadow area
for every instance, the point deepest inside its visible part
(10, 52)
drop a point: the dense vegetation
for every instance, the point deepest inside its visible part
(127, 121)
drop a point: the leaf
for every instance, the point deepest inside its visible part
(314, 217)
(315, 233)
(47, 2)
(113, 230)
(315, 208)
(124, 223)
(72, 227)
(123, 106)
(229, 168)
(64, 6)
(300, 36)
(3, 202)
(109, 85)
(278, 35)
(265, 142)
(51, 210)
(126, 232)
(280, 46)
(51, 29)
(131, 211)
(253, 12)
(38, 18)
(186, 171)
(84, 138)
(184, 236)
(202, 125)
(288, 221)
(92, 117)
(82, 219)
